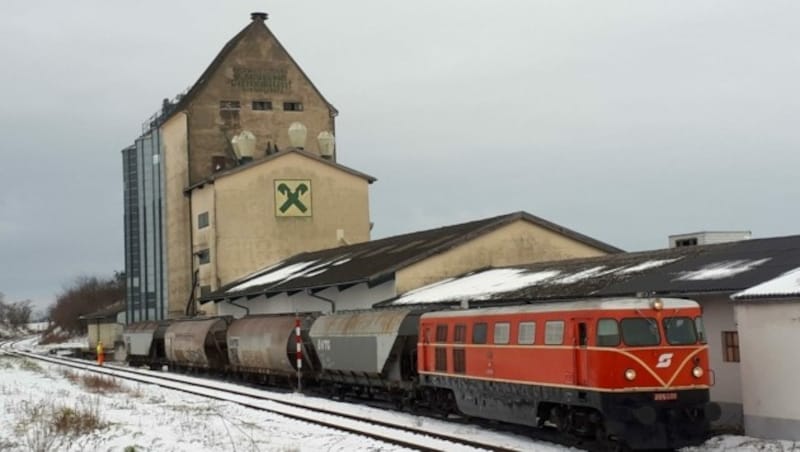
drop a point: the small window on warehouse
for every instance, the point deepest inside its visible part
(202, 220)
(441, 333)
(501, 332)
(460, 334)
(554, 332)
(479, 333)
(293, 106)
(203, 256)
(527, 333)
(262, 105)
(730, 346)
(607, 333)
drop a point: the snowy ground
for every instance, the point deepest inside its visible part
(136, 418)
(146, 418)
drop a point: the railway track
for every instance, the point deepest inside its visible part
(395, 433)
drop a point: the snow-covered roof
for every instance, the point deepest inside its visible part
(786, 285)
(710, 269)
(375, 261)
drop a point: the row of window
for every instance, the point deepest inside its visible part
(526, 333)
(258, 105)
(633, 331)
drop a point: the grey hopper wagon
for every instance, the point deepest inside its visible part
(267, 345)
(144, 343)
(197, 343)
(368, 348)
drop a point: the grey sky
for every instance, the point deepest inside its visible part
(626, 121)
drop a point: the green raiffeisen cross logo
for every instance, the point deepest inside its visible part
(293, 198)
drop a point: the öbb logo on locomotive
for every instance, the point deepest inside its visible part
(664, 361)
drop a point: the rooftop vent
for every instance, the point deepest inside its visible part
(707, 238)
(258, 16)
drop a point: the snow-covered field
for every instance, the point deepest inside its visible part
(135, 417)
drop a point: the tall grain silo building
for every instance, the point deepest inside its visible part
(235, 174)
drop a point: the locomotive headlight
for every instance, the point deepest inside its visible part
(657, 304)
(697, 372)
(630, 374)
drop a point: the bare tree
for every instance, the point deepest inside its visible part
(18, 314)
(86, 294)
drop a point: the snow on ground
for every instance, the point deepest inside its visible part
(148, 418)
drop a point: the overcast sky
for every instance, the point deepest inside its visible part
(626, 121)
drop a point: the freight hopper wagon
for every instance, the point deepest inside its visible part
(633, 370)
(368, 353)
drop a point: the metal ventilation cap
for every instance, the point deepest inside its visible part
(258, 16)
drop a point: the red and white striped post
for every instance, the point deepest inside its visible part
(299, 343)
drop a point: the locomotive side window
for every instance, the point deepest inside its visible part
(460, 334)
(607, 333)
(554, 332)
(701, 329)
(459, 355)
(479, 333)
(680, 331)
(640, 332)
(440, 355)
(441, 333)
(527, 333)
(501, 332)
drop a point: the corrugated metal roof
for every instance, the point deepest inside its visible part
(785, 286)
(375, 261)
(720, 268)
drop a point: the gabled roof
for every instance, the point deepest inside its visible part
(375, 261)
(786, 285)
(243, 167)
(109, 311)
(721, 268)
(257, 21)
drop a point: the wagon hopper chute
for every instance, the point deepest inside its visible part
(367, 347)
(197, 343)
(267, 345)
(144, 343)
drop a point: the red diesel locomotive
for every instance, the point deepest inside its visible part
(633, 370)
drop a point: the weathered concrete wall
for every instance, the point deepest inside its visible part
(768, 336)
(520, 242)
(727, 390)
(178, 221)
(241, 77)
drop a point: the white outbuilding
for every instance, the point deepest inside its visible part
(768, 321)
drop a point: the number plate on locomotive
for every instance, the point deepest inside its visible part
(664, 396)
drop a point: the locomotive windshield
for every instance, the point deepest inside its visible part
(640, 332)
(680, 330)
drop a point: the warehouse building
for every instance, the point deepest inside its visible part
(360, 275)
(768, 321)
(238, 172)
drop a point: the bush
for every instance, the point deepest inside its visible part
(85, 295)
(43, 426)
